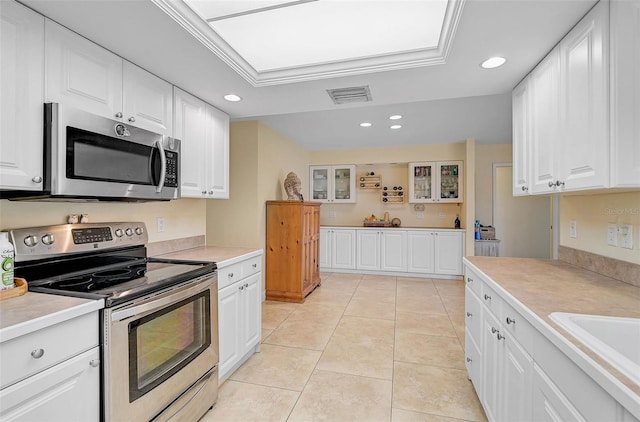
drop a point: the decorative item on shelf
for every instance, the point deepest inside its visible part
(292, 187)
(393, 195)
(456, 223)
(396, 222)
(370, 181)
(373, 221)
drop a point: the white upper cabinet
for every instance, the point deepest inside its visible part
(544, 119)
(576, 117)
(625, 93)
(204, 135)
(333, 184)
(84, 75)
(190, 127)
(436, 182)
(584, 150)
(21, 102)
(147, 100)
(520, 100)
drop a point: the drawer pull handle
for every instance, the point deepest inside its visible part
(500, 336)
(94, 363)
(494, 330)
(246, 285)
(255, 265)
(230, 274)
(487, 297)
(241, 288)
(37, 353)
(510, 320)
(469, 314)
(469, 280)
(469, 360)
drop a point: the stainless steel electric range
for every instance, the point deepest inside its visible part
(159, 327)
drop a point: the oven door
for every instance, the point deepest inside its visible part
(94, 156)
(158, 349)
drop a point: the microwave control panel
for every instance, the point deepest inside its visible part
(171, 175)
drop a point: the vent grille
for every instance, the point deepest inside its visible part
(357, 94)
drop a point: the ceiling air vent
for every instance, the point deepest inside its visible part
(357, 94)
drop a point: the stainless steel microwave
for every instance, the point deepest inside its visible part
(91, 157)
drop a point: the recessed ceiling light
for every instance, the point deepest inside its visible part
(395, 117)
(365, 124)
(395, 126)
(493, 62)
(232, 97)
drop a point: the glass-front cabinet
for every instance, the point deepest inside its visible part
(435, 182)
(333, 184)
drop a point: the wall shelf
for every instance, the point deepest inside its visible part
(370, 182)
(393, 195)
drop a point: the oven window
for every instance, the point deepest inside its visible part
(164, 342)
(92, 156)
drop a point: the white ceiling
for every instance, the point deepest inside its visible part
(440, 103)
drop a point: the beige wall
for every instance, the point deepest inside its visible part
(486, 157)
(592, 213)
(260, 159)
(182, 217)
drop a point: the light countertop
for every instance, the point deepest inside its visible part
(33, 311)
(390, 227)
(546, 286)
(220, 255)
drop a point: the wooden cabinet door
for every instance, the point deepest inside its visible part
(21, 102)
(393, 250)
(80, 73)
(229, 327)
(147, 100)
(625, 93)
(368, 250)
(421, 252)
(69, 391)
(545, 120)
(190, 128)
(583, 159)
(521, 138)
(217, 154)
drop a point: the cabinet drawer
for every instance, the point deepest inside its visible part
(473, 280)
(52, 344)
(473, 315)
(229, 275)
(519, 327)
(251, 266)
(491, 299)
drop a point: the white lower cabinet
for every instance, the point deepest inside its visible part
(382, 250)
(421, 251)
(549, 404)
(448, 252)
(239, 314)
(337, 248)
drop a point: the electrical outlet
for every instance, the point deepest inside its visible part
(626, 231)
(160, 222)
(420, 215)
(573, 229)
(612, 234)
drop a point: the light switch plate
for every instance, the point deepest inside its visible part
(420, 215)
(160, 224)
(573, 229)
(626, 233)
(612, 234)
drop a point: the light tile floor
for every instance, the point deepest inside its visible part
(361, 348)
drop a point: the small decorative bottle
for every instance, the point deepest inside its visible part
(457, 222)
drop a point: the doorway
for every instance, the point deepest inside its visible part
(522, 223)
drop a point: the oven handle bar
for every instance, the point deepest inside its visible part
(154, 303)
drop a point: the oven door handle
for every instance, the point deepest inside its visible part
(163, 166)
(155, 303)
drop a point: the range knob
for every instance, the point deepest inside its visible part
(128, 231)
(119, 233)
(48, 239)
(139, 231)
(31, 241)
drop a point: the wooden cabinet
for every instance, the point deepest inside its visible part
(293, 246)
(625, 93)
(239, 313)
(21, 102)
(86, 76)
(204, 135)
(337, 248)
(333, 184)
(436, 182)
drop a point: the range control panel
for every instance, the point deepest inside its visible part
(44, 242)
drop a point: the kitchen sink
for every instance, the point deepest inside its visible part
(615, 339)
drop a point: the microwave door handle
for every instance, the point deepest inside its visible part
(163, 166)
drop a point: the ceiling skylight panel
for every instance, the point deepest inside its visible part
(215, 9)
